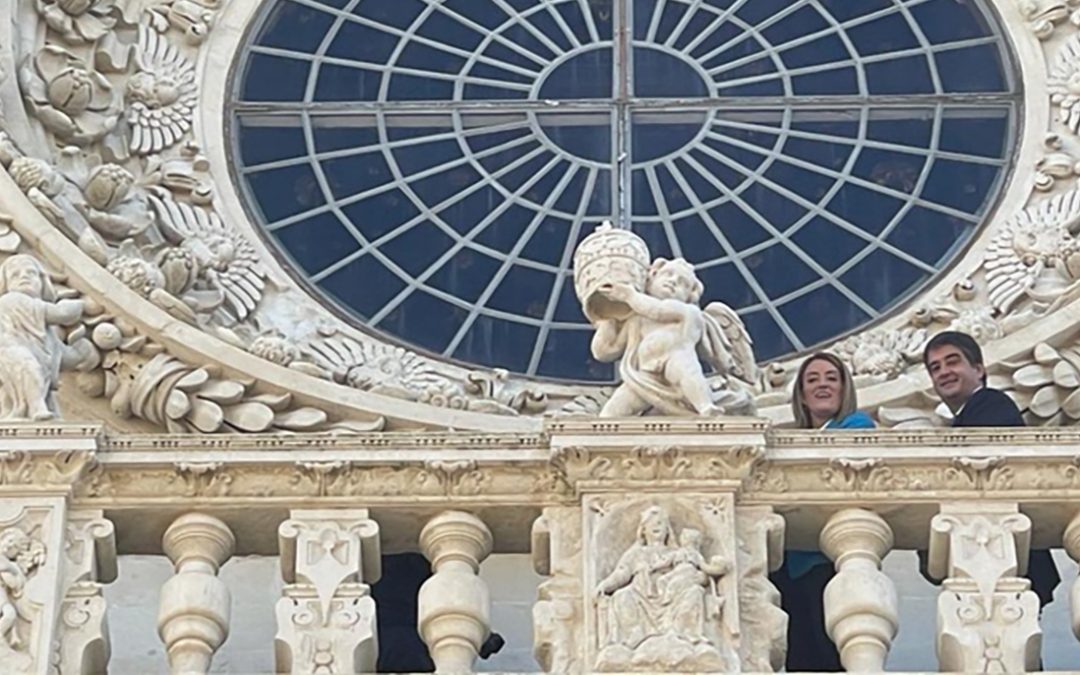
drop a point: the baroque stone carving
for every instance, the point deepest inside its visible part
(68, 96)
(31, 353)
(20, 556)
(648, 317)
(763, 625)
(1062, 84)
(558, 613)
(90, 562)
(161, 94)
(988, 618)
(326, 619)
(664, 604)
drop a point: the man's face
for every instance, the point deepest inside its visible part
(671, 282)
(23, 277)
(955, 378)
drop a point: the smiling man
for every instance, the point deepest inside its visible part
(955, 363)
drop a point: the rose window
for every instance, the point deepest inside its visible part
(428, 167)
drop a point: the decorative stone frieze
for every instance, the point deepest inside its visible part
(454, 605)
(193, 617)
(988, 618)
(559, 611)
(89, 563)
(326, 619)
(861, 608)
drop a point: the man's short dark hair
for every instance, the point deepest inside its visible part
(962, 341)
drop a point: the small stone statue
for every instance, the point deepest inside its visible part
(665, 608)
(19, 556)
(31, 354)
(649, 316)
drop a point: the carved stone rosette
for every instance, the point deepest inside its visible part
(988, 618)
(326, 617)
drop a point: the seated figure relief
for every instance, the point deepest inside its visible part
(661, 605)
(31, 353)
(647, 315)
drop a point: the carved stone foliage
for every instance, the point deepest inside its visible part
(326, 619)
(663, 584)
(1046, 385)
(988, 618)
(650, 463)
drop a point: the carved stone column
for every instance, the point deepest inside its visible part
(193, 619)
(90, 562)
(988, 618)
(326, 619)
(558, 617)
(454, 604)
(763, 625)
(861, 613)
(1071, 542)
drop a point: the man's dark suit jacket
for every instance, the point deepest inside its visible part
(992, 408)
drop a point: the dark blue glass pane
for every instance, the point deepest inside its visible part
(971, 69)
(294, 26)
(725, 283)
(348, 131)
(717, 37)
(909, 75)
(697, 240)
(846, 9)
(317, 242)
(548, 243)
(268, 139)
(393, 206)
(976, 132)
(440, 27)
(769, 341)
(829, 155)
(882, 279)
(284, 192)
(894, 170)
(418, 157)
(961, 185)
(656, 238)
(779, 271)
(929, 235)
(586, 75)
(832, 82)
(810, 185)
(397, 13)
(341, 83)
(425, 320)
(585, 136)
(827, 49)
(504, 234)
(498, 343)
(738, 227)
(353, 175)
(794, 25)
(362, 43)
(707, 188)
(566, 355)
(415, 249)
(523, 291)
(913, 126)
(442, 186)
(274, 78)
(658, 74)
(473, 206)
(890, 33)
(569, 308)
(950, 20)
(828, 243)
(365, 285)
(868, 209)
(465, 275)
(774, 209)
(821, 314)
(412, 88)
(484, 12)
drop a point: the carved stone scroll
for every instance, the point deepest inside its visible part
(193, 618)
(988, 618)
(326, 619)
(558, 615)
(90, 562)
(861, 614)
(762, 623)
(454, 605)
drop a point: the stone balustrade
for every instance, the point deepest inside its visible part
(655, 538)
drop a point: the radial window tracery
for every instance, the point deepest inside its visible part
(430, 165)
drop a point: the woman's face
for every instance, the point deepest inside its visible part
(655, 529)
(822, 390)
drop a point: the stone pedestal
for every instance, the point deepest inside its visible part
(861, 614)
(193, 618)
(326, 617)
(90, 563)
(454, 604)
(988, 618)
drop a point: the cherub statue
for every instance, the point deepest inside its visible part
(19, 556)
(31, 354)
(661, 340)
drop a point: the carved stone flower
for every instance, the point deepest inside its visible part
(161, 95)
(108, 201)
(78, 21)
(1064, 84)
(66, 95)
(275, 348)
(139, 275)
(1048, 387)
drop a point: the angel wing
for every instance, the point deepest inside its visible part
(1065, 68)
(727, 344)
(1014, 258)
(162, 95)
(227, 261)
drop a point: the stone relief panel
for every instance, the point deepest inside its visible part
(662, 583)
(762, 624)
(558, 615)
(28, 568)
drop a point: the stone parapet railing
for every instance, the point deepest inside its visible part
(668, 523)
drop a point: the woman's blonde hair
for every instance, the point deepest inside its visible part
(848, 403)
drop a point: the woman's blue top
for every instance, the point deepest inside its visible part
(801, 562)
